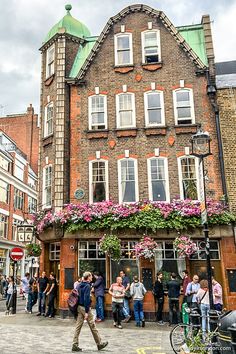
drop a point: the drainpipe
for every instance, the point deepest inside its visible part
(211, 91)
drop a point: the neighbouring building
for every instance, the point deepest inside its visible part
(18, 199)
(117, 114)
(226, 109)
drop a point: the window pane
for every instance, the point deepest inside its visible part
(126, 118)
(124, 57)
(128, 191)
(123, 42)
(184, 112)
(150, 39)
(154, 116)
(183, 98)
(99, 181)
(128, 265)
(154, 100)
(158, 190)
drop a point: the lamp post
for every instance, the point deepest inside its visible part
(201, 148)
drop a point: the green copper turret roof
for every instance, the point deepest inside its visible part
(70, 25)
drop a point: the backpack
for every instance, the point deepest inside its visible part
(73, 302)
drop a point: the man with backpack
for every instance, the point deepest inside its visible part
(85, 313)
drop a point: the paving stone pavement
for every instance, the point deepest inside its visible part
(28, 334)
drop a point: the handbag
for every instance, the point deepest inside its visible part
(190, 297)
(127, 295)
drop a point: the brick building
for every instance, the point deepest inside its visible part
(226, 109)
(18, 198)
(117, 113)
(24, 130)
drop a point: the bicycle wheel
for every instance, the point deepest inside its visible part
(179, 336)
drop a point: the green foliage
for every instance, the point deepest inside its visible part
(33, 249)
(111, 245)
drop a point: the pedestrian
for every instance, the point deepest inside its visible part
(186, 281)
(158, 292)
(173, 288)
(127, 297)
(85, 313)
(202, 297)
(43, 286)
(10, 289)
(217, 295)
(99, 291)
(51, 293)
(137, 291)
(117, 291)
(25, 288)
(77, 282)
(3, 286)
(191, 292)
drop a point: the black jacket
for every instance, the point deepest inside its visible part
(158, 290)
(173, 287)
(84, 295)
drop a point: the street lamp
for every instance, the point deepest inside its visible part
(201, 148)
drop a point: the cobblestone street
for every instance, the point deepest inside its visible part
(28, 334)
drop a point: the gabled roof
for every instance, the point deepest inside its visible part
(147, 9)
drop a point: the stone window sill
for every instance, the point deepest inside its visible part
(155, 130)
(152, 66)
(125, 132)
(97, 134)
(48, 140)
(185, 129)
(123, 69)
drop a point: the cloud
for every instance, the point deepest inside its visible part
(24, 24)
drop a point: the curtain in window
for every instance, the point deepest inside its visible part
(158, 181)
(181, 265)
(99, 181)
(159, 258)
(125, 110)
(123, 50)
(128, 181)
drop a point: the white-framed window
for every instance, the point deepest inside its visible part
(91, 258)
(47, 186)
(97, 112)
(32, 205)
(48, 120)
(125, 110)
(188, 177)
(19, 169)
(183, 106)
(201, 250)
(154, 108)
(123, 49)
(32, 181)
(18, 199)
(3, 226)
(54, 251)
(98, 181)
(5, 164)
(151, 48)
(158, 179)
(50, 61)
(4, 191)
(128, 180)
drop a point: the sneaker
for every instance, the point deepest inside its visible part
(138, 324)
(102, 345)
(143, 323)
(75, 348)
(98, 320)
(119, 326)
(127, 319)
(114, 324)
(38, 314)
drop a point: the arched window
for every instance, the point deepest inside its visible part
(123, 49)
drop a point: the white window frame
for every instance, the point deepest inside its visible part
(54, 252)
(46, 120)
(19, 169)
(125, 34)
(192, 118)
(50, 63)
(44, 187)
(166, 177)
(136, 180)
(146, 94)
(133, 125)
(181, 176)
(158, 44)
(91, 179)
(90, 112)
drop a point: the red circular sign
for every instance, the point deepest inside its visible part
(16, 253)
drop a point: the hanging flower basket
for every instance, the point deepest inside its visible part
(110, 244)
(184, 246)
(33, 249)
(146, 248)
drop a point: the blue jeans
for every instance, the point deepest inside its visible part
(100, 307)
(205, 317)
(30, 301)
(138, 311)
(126, 307)
(41, 302)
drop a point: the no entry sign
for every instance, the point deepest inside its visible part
(17, 253)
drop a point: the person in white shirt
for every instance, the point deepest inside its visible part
(191, 291)
(202, 297)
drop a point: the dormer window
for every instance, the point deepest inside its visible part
(123, 49)
(50, 60)
(151, 50)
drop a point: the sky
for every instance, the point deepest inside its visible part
(25, 23)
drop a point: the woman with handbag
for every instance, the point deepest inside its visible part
(204, 304)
